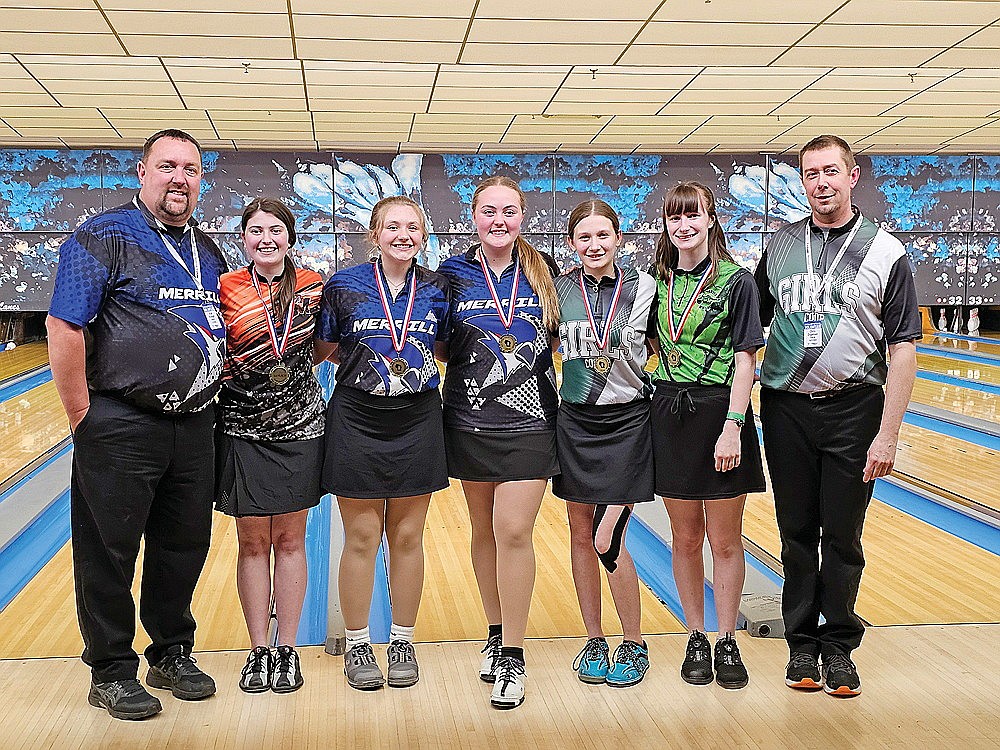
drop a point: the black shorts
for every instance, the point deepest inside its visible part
(383, 446)
(605, 453)
(687, 421)
(501, 456)
(266, 478)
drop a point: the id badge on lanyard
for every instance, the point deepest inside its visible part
(812, 324)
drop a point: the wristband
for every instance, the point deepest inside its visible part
(735, 416)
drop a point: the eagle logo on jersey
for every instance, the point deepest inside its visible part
(395, 381)
(205, 330)
(513, 348)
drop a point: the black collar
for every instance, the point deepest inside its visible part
(698, 270)
(837, 231)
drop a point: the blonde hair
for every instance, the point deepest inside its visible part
(532, 262)
(381, 208)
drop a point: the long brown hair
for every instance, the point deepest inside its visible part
(593, 207)
(277, 209)
(378, 218)
(534, 265)
(683, 198)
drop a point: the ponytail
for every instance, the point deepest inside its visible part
(539, 276)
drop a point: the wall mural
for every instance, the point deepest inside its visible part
(943, 208)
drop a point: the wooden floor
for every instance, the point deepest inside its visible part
(23, 358)
(966, 402)
(918, 686)
(30, 424)
(982, 373)
(963, 345)
(924, 687)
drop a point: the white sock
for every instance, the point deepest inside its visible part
(723, 636)
(357, 637)
(400, 633)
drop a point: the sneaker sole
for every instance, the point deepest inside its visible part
(698, 681)
(624, 684)
(255, 689)
(843, 692)
(164, 683)
(734, 685)
(289, 689)
(369, 685)
(591, 680)
(806, 684)
(505, 705)
(403, 682)
(124, 715)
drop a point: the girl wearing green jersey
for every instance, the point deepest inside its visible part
(705, 447)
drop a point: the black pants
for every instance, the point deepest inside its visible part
(138, 475)
(816, 453)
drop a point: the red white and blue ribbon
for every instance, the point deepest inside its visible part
(603, 335)
(278, 347)
(674, 329)
(397, 341)
(508, 319)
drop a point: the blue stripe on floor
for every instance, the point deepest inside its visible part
(29, 551)
(23, 386)
(380, 615)
(654, 564)
(976, 385)
(944, 427)
(313, 624)
(35, 472)
(978, 359)
(939, 516)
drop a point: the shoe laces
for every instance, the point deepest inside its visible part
(509, 669)
(362, 654)
(628, 652)
(727, 652)
(492, 647)
(802, 660)
(283, 659)
(594, 650)
(181, 664)
(838, 663)
(256, 663)
(401, 651)
(698, 647)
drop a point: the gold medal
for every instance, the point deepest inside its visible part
(674, 357)
(602, 364)
(279, 374)
(398, 366)
(508, 343)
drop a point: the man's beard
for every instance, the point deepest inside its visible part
(167, 208)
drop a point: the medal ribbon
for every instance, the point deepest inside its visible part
(675, 329)
(506, 320)
(383, 295)
(604, 335)
(277, 347)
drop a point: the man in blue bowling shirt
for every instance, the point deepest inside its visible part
(136, 344)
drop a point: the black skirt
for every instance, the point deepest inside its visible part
(605, 453)
(501, 456)
(687, 421)
(384, 446)
(265, 478)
